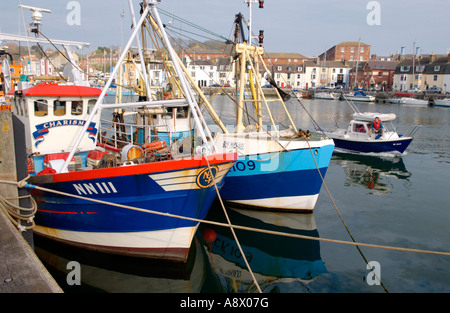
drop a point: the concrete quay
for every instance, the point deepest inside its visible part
(21, 271)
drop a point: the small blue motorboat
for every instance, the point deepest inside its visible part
(358, 137)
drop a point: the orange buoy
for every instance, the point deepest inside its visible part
(209, 235)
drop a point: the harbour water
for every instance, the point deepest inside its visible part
(395, 201)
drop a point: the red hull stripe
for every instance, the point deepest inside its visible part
(65, 212)
(149, 168)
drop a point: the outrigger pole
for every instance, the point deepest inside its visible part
(102, 95)
(194, 108)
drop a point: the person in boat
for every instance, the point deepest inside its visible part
(376, 127)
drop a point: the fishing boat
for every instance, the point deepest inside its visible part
(359, 96)
(131, 194)
(442, 102)
(357, 137)
(277, 169)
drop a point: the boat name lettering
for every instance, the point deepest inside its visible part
(95, 188)
(233, 145)
(43, 129)
(228, 248)
(242, 166)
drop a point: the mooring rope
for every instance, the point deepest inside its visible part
(237, 226)
(231, 228)
(340, 216)
(14, 212)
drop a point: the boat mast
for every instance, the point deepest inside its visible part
(105, 88)
(195, 110)
(357, 61)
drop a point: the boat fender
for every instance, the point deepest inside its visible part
(154, 145)
(128, 163)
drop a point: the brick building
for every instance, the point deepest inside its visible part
(347, 51)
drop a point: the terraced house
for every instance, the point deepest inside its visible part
(424, 73)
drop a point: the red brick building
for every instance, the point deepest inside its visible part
(347, 51)
(373, 74)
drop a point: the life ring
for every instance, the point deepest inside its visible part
(154, 145)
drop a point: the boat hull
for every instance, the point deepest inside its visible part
(373, 146)
(124, 210)
(286, 180)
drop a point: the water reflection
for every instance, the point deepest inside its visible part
(370, 171)
(279, 263)
(121, 274)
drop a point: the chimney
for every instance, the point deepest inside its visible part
(373, 57)
(433, 58)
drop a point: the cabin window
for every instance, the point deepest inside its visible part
(359, 128)
(182, 112)
(40, 107)
(91, 104)
(59, 108)
(77, 107)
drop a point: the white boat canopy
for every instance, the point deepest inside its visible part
(370, 116)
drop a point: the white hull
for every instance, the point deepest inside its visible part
(442, 103)
(291, 204)
(135, 243)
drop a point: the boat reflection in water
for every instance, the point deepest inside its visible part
(107, 273)
(369, 170)
(279, 263)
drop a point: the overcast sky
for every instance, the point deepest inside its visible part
(308, 27)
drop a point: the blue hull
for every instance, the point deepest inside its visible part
(177, 190)
(373, 145)
(287, 175)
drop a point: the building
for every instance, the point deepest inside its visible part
(276, 58)
(373, 75)
(425, 73)
(347, 51)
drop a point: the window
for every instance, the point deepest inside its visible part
(40, 108)
(435, 77)
(91, 104)
(404, 68)
(59, 108)
(342, 49)
(278, 68)
(359, 128)
(437, 68)
(77, 107)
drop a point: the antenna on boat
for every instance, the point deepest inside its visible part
(36, 17)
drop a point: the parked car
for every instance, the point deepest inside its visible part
(434, 90)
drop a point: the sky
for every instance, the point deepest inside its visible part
(308, 27)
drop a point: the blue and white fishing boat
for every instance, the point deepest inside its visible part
(277, 169)
(138, 199)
